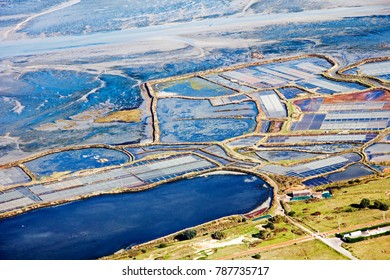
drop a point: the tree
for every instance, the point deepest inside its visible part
(219, 235)
(364, 203)
(377, 204)
(262, 234)
(257, 256)
(277, 219)
(269, 225)
(186, 235)
(291, 213)
(380, 205)
(384, 207)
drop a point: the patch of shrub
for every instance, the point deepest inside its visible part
(353, 240)
(254, 244)
(186, 235)
(376, 204)
(338, 209)
(329, 218)
(219, 235)
(162, 245)
(277, 230)
(379, 205)
(317, 213)
(298, 231)
(368, 228)
(277, 219)
(262, 234)
(348, 210)
(384, 207)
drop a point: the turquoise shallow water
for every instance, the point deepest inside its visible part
(99, 226)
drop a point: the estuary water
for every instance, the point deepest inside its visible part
(102, 225)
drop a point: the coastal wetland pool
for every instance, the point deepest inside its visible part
(76, 160)
(279, 155)
(99, 226)
(53, 108)
(183, 120)
(194, 87)
(328, 148)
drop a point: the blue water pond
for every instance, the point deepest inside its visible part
(99, 226)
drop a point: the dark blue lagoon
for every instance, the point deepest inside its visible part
(99, 226)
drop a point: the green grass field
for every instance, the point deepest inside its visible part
(337, 209)
(283, 233)
(371, 249)
(309, 250)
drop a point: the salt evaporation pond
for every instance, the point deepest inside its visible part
(99, 226)
(279, 155)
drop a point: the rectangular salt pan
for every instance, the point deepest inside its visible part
(313, 168)
(321, 138)
(14, 204)
(376, 69)
(272, 104)
(10, 195)
(13, 176)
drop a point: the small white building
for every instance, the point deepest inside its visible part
(353, 234)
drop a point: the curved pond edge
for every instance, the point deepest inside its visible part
(40, 154)
(226, 170)
(220, 223)
(243, 192)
